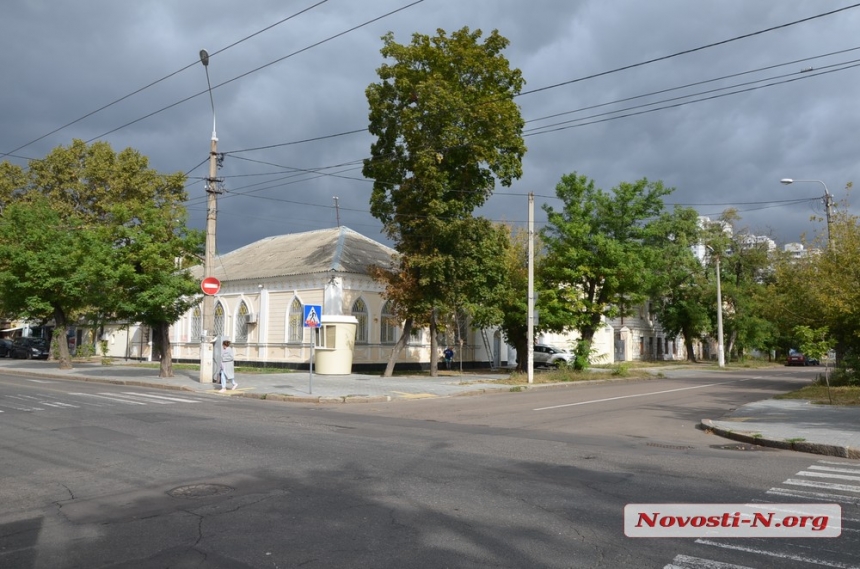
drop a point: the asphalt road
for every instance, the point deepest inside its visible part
(110, 476)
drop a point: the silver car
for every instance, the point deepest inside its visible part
(547, 355)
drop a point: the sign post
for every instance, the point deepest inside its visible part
(312, 321)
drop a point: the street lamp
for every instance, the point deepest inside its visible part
(828, 204)
(212, 191)
(721, 357)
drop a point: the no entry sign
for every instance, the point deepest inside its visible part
(210, 285)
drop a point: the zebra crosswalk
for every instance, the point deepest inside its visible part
(825, 481)
(24, 403)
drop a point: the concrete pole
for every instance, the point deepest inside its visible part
(720, 346)
(208, 316)
(531, 293)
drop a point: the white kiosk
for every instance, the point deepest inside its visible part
(335, 345)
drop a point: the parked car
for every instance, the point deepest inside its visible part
(30, 348)
(798, 359)
(5, 348)
(551, 356)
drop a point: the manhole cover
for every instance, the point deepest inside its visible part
(199, 491)
(740, 446)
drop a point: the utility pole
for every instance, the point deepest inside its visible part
(212, 191)
(530, 336)
(828, 205)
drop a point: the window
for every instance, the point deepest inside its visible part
(219, 319)
(196, 324)
(388, 325)
(241, 333)
(295, 329)
(359, 310)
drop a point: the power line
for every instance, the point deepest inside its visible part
(166, 77)
(686, 52)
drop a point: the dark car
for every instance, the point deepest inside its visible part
(798, 359)
(30, 348)
(5, 348)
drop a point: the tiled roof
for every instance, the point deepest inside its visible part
(340, 249)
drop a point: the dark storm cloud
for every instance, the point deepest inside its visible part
(62, 61)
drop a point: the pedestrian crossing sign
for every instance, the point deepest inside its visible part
(312, 315)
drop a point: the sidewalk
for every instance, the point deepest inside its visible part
(787, 424)
(793, 424)
(287, 386)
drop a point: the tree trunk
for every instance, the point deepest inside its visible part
(398, 347)
(60, 332)
(688, 343)
(521, 345)
(162, 341)
(434, 358)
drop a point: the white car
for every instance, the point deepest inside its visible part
(546, 355)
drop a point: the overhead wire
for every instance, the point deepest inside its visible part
(166, 77)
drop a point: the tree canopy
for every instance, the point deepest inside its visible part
(446, 129)
(598, 260)
(88, 230)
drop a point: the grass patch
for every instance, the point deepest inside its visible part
(818, 394)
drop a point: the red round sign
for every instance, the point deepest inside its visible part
(210, 285)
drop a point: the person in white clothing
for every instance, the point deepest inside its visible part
(227, 370)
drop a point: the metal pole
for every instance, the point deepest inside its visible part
(531, 294)
(720, 349)
(311, 375)
(828, 205)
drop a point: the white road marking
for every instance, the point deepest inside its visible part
(831, 469)
(135, 398)
(41, 381)
(823, 485)
(177, 399)
(827, 475)
(687, 562)
(126, 401)
(639, 395)
(814, 496)
(843, 464)
(790, 556)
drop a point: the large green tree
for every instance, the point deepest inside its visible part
(446, 129)
(126, 224)
(745, 267)
(598, 262)
(680, 294)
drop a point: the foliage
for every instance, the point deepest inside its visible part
(813, 344)
(446, 129)
(679, 291)
(597, 262)
(514, 301)
(745, 270)
(91, 231)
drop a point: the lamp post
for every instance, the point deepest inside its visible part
(828, 204)
(721, 357)
(212, 191)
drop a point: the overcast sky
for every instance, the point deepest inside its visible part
(796, 111)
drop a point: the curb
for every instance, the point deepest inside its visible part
(799, 446)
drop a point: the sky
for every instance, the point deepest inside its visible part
(718, 99)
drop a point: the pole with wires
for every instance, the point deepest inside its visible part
(212, 191)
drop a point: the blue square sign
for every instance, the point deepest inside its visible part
(313, 314)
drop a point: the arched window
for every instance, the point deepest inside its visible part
(241, 335)
(196, 324)
(359, 310)
(219, 319)
(294, 330)
(388, 325)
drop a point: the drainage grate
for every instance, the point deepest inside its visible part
(671, 447)
(199, 491)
